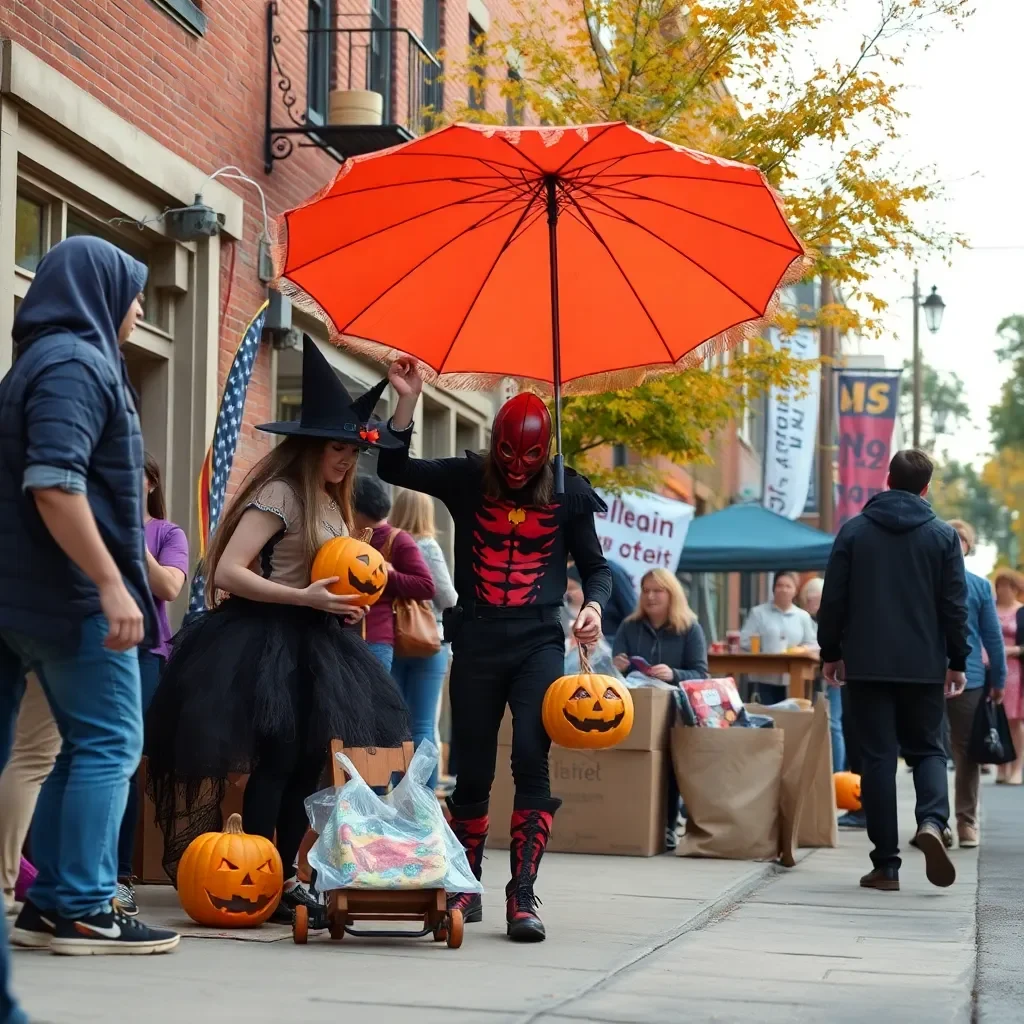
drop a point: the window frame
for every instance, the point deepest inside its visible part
(186, 13)
(477, 99)
(318, 51)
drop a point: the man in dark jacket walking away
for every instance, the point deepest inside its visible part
(893, 626)
(74, 592)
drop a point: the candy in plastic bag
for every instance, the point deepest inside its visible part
(399, 841)
(711, 704)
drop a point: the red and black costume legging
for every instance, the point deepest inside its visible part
(503, 656)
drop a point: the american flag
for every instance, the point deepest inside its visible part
(213, 480)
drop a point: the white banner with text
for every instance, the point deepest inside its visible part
(643, 531)
(792, 431)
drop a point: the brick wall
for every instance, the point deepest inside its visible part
(204, 99)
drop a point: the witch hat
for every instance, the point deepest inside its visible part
(329, 411)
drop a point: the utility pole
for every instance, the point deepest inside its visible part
(917, 360)
(826, 415)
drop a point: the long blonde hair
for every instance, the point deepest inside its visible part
(298, 461)
(413, 511)
(680, 615)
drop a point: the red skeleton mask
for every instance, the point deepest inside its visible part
(520, 439)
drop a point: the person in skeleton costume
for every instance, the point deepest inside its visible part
(513, 537)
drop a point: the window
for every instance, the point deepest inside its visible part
(29, 233)
(477, 66)
(433, 88)
(620, 456)
(187, 13)
(318, 62)
(514, 98)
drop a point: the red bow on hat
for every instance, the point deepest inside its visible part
(369, 435)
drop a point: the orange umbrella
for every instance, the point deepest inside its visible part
(582, 257)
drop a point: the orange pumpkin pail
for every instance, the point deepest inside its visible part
(587, 711)
(847, 791)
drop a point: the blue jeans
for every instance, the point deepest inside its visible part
(420, 681)
(12, 686)
(384, 653)
(95, 695)
(150, 667)
(835, 724)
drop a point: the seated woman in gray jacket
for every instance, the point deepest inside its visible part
(663, 632)
(664, 640)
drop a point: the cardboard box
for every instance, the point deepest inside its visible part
(613, 801)
(653, 711)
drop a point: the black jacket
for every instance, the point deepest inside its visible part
(894, 607)
(68, 420)
(685, 653)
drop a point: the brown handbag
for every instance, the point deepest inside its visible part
(416, 633)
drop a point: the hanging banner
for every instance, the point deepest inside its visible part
(643, 531)
(791, 431)
(868, 404)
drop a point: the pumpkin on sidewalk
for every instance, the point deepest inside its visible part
(230, 879)
(847, 791)
(587, 711)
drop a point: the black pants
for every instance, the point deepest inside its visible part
(889, 718)
(500, 659)
(274, 800)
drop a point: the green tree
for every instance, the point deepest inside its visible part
(1006, 418)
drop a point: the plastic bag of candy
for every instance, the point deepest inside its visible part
(398, 841)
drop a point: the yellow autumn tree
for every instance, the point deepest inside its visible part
(765, 83)
(1004, 475)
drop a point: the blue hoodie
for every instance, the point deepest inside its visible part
(68, 420)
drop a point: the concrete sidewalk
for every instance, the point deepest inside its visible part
(632, 940)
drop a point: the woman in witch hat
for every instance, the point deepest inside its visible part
(264, 680)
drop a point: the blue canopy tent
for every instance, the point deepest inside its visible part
(749, 538)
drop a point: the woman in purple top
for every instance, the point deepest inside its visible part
(167, 562)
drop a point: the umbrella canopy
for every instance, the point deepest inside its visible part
(583, 256)
(749, 538)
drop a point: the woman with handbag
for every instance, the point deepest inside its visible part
(420, 676)
(409, 579)
(1008, 586)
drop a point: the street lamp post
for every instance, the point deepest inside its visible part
(933, 308)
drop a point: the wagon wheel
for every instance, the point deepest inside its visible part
(441, 929)
(300, 925)
(336, 926)
(455, 929)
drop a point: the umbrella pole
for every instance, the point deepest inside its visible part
(550, 183)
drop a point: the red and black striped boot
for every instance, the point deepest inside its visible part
(530, 831)
(469, 823)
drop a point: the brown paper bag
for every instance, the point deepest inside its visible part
(808, 793)
(730, 780)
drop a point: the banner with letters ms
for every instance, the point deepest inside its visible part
(868, 404)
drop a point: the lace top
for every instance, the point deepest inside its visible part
(283, 558)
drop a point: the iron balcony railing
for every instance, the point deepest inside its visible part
(391, 61)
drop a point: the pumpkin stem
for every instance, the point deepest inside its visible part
(366, 536)
(585, 668)
(234, 825)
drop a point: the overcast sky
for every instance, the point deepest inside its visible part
(965, 98)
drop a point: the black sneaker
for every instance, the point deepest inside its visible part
(34, 928)
(885, 879)
(125, 896)
(300, 893)
(110, 932)
(671, 840)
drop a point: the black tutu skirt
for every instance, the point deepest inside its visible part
(245, 673)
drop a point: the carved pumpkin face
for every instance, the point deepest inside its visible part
(361, 569)
(847, 791)
(587, 711)
(230, 879)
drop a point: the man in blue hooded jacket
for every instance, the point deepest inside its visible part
(74, 594)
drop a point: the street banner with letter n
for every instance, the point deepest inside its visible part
(868, 404)
(643, 531)
(791, 431)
